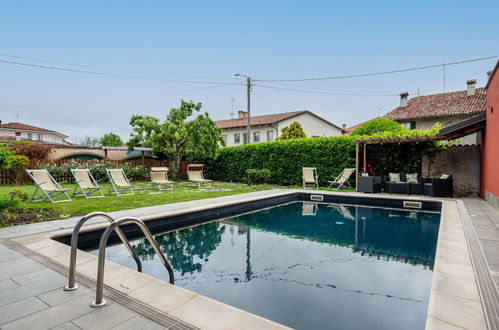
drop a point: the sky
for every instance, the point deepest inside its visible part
(141, 46)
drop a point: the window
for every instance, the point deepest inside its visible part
(410, 125)
(270, 135)
(237, 138)
(40, 137)
(245, 138)
(256, 136)
(30, 136)
(224, 137)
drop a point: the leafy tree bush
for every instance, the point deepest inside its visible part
(177, 137)
(111, 140)
(284, 159)
(257, 176)
(5, 158)
(32, 151)
(13, 200)
(376, 126)
(293, 131)
(18, 164)
(90, 141)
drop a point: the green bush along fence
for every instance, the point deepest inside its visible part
(284, 159)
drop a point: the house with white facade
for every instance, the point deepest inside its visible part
(22, 132)
(422, 112)
(267, 128)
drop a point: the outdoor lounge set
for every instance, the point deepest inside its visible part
(47, 188)
(395, 183)
(407, 183)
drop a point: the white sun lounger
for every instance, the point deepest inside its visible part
(159, 177)
(342, 179)
(195, 175)
(86, 185)
(47, 187)
(119, 182)
(310, 177)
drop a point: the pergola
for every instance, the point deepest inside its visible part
(406, 139)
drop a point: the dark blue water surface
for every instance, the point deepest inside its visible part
(307, 265)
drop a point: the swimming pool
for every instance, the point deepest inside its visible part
(307, 265)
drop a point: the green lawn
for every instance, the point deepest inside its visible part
(183, 191)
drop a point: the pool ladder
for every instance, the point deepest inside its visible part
(113, 226)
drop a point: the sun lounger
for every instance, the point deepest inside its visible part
(310, 177)
(195, 175)
(46, 187)
(86, 185)
(342, 179)
(119, 182)
(159, 177)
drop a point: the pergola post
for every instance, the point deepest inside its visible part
(143, 163)
(365, 157)
(356, 164)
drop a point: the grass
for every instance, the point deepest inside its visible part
(183, 191)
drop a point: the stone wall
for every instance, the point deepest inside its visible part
(463, 162)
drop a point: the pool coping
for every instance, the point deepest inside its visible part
(454, 298)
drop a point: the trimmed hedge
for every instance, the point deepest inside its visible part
(284, 159)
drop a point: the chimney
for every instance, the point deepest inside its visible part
(471, 87)
(344, 126)
(242, 115)
(403, 99)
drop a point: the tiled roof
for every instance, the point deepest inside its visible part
(266, 120)
(440, 105)
(258, 120)
(22, 126)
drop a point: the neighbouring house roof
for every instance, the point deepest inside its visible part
(25, 127)
(440, 105)
(265, 120)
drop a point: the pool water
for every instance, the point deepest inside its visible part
(306, 265)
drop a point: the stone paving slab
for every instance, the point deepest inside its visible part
(31, 297)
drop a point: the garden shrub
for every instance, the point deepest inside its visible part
(377, 125)
(97, 168)
(18, 164)
(257, 176)
(13, 200)
(284, 159)
(32, 151)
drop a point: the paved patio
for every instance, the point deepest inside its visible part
(31, 297)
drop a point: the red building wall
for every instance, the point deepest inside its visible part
(489, 182)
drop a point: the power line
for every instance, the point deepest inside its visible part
(112, 69)
(101, 101)
(116, 75)
(383, 72)
(325, 93)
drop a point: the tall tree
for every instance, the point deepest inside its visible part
(90, 141)
(111, 140)
(293, 131)
(177, 137)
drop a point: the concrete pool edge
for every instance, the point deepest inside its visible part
(453, 289)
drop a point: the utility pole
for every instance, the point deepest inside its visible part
(248, 110)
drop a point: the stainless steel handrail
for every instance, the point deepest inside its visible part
(74, 246)
(99, 301)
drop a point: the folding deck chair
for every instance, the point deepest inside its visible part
(195, 175)
(310, 177)
(86, 185)
(342, 179)
(159, 177)
(47, 186)
(119, 182)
